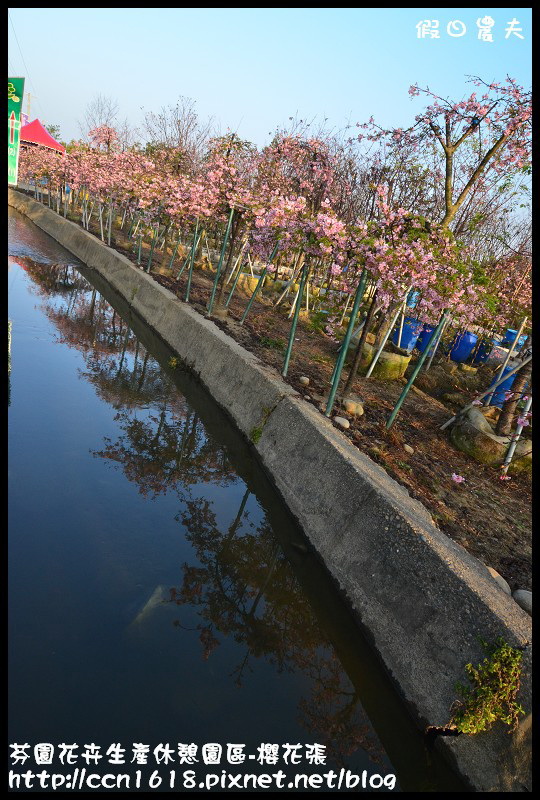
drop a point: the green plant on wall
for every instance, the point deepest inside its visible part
(492, 696)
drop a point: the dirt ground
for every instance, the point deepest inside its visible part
(490, 518)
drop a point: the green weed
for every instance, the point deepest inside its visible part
(495, 684)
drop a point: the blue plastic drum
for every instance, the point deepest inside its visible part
(483, 352)
(510, 338)
(412, 298)
(463, 346)
(423, 339)
(499, 395)
(410, 333)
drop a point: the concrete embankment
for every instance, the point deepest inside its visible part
(422, 599)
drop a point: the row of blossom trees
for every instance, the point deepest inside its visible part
(333, 208)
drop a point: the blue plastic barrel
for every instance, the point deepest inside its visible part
(425, 335)
(498, 396)
(463, 346)
(412, 298)
(410, 333)
(482, 354)
(510, 338)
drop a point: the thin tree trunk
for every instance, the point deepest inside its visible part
(506, 418)
(360, 346)
(386, 322)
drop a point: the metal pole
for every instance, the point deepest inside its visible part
(237, 263)
(385, 339)
(135, 218)
(437, 343)
(401, 325)
(359, 328)
(110, 223)
(416, 370)
(173, 256)
(101, 223)
(233, 287)
(294, 322)
(491, 389)
(194, 244)
(221, 257)
(345, 344)
(515, 437)
(154, 239)
(348, 300)
(259, 284)
(192, 259)
(507, 359)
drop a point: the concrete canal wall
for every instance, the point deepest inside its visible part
(421, 598)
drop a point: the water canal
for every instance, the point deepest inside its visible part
(159, 592)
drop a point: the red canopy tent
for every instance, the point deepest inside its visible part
(35, 133)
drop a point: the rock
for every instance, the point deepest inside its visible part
(303, 381)
(467, 368)
(220, 312)
(490, 412)
(247, 282)
(307, 397)
(472, 434)
(449, 367)
(390, 366)
(478, 420)
(408, 449)
(500, 580)
(524, 599)
(342, 422)
(401, 351)
(353, 406)
(456, 398)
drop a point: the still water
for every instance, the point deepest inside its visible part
(159, 594)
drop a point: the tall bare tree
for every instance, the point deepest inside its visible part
(101, 110)
(179, 126)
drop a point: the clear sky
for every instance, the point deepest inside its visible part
(251, 69)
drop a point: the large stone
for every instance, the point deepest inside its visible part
(390, 366)
(456, 398)
(478, 419)
(490, 412)
(247, 281)
(500, 580)
(472, 434)
(342, 422)
(353, 406)
(449, 366)
(524, 599)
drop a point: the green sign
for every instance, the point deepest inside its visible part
(15, 98)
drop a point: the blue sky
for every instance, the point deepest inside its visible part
(251, 69)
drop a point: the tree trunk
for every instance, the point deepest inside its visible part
(386, 322)
(235, 230)
(361, 341)
(506, 418)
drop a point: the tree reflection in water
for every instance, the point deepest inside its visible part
(241, 586)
